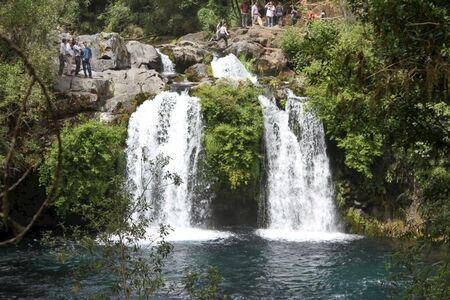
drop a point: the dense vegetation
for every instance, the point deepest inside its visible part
(148, 18)
(93, 152)
(233, 131)
(381, 85)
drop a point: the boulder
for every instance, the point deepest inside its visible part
(120, 104)
(272, 62)
(197, 38)
(197, 73)
(186, 56)
(134, 81)
(108, 51)
(142, 55)
(246, 48)
(71, 103)
(260, 35)
(129, 83)
(103, 88)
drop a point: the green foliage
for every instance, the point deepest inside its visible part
(122, 245)
(311, 43)
(208, 19)
(233, 131)
(204, 286)
(381, 87)
(92, 155)
(249, 64)
(117, 16)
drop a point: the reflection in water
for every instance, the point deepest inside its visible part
(251, 267)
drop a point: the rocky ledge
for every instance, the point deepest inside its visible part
(122, 69)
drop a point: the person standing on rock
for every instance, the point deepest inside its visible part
(270, 12)
(245, 8)
(69, 57)
(255, 13)
(87, 56)
(77, 53)
(294, 16)
(223, 34)
(279, 12)
(62, 56)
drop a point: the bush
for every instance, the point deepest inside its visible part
(233, 131)
(313, 44)
(92, 158)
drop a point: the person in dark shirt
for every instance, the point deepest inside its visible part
(245, 9)
(87, 56)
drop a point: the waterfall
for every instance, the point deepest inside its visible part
(164, 136)
(299, 188)
(168, 66)
(231, 67)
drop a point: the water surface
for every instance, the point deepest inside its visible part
(252, 268)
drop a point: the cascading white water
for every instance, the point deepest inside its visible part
(168, 65)
(299, 185)
(231, 67)
(164, 136)
(169, 125)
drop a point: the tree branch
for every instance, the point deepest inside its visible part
(56, 178)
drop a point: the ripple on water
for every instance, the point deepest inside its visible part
(306, 236)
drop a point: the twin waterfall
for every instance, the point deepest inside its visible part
(165, 136)
(299, 188)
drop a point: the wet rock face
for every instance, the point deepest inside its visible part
(109, 51)
(197, 73)
(186, 56)
(143, 56)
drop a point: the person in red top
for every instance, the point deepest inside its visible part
(245, 9)
(311, 16)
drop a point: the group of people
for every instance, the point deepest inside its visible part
(274, 14)
(70, 52)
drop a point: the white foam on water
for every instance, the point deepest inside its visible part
(306, 236)
(231, 67)
(188, 234)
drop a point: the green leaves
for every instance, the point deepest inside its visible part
(92, 156)
(233, 133)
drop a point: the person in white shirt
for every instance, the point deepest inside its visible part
(270, 12)
(255, 13)
(77, 53)
(223, 33)
(62, 56)
(69, 56)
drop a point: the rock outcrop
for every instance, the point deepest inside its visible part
(109, 51)
(143, 56)
(197, 73)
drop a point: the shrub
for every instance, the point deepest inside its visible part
(92, 158)
(233, 131)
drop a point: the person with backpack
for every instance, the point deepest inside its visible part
(87, 56)
(279, 12)
(294, 16)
